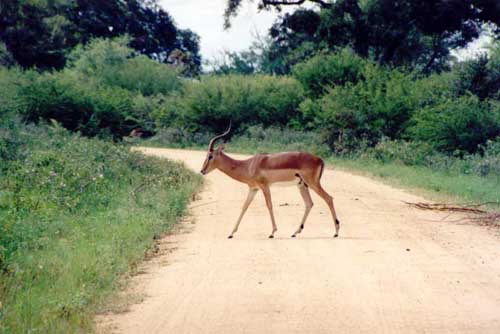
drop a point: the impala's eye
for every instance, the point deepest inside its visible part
(210, 157)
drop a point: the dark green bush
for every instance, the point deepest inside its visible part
(459, 124)
(479, 76)
(90, 108)
(107, 91)
(351, 116)
(209, 105)
(112, 63)
(326, 70)
(10, 80)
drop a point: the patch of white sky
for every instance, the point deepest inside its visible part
(205, 17)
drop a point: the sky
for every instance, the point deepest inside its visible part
(205, 17)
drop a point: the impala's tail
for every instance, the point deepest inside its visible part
(322, 166)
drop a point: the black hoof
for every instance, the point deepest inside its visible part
(271, 236)
(230, 237)
(336, 236)
(293, 236)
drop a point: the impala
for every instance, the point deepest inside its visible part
(263, 170)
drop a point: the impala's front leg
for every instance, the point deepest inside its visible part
(269, 203)
(250, 197)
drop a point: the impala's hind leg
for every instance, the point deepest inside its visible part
(250, 197)
(316, 186)
(304, 191)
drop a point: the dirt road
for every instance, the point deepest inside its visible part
(393, 269)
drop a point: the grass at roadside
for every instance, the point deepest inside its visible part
(75, 215)
(436, 185)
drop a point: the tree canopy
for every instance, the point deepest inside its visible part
(42, 33)
(411, 33)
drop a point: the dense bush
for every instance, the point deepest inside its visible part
(209, 105)
(325, 70)
(10, 80)
(93, 110)
(460, 124)
(113, 63)
(351, 116)
(75, 213)
(480, 76)
(106, 91)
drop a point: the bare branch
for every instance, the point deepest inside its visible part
(322, 3)
(475, 215)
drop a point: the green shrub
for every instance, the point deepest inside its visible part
(479, 76)
(352, 116)
(10, 79)
(209, 105)
(459, 124)
(143, 75)
(90, 108)
(112, 63)
(326, 70)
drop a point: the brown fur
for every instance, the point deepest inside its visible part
(263, 170)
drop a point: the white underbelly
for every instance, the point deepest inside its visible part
(286, 183)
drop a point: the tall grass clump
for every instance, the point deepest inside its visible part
(75, 214)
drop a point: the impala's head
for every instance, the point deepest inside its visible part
(213, 155)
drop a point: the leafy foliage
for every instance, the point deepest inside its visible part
(459, 124)
(209, 105)
(411, 33)
(113, 63)
(42, 33)
(362, 113)
(480, 76)
(107, 90)
(326, 70)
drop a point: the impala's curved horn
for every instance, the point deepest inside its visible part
(214, 139)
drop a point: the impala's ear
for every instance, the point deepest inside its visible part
(221, 147)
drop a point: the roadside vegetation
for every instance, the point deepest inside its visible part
(76, 214)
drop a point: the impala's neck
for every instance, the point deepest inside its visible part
(232, 167)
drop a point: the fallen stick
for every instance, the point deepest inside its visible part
(482, 216)
(447, 207)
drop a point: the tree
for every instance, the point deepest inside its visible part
(41, 33)
(234, 5)
(412, 33)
